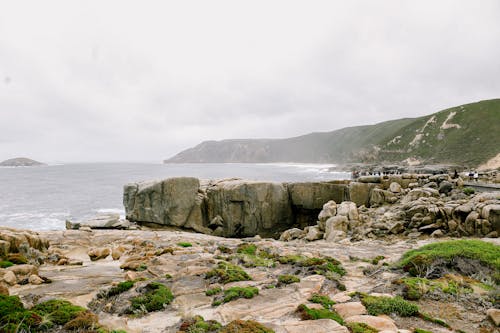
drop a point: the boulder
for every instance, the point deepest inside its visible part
(348, 209)
(359, 193)
(98, 253)
(167, 202)
(379, 197)
(494, 315)
(419, 193)
(336, 228)
(248, 208)
(35, 279)
(492, 214)
(445, 187)
(369, 179)
(329, 210)
(395, 187)
(10, 278)
(4, 290)
(291, 234)
(313, 233)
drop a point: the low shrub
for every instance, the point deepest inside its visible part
(324, 300)
(235, 293)
(184, 244)
(387, 305)
(361, 328)
(6, 263)
(245, 326)
(288, 279)
(213, 291)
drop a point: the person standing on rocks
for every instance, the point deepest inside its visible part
(476, 176)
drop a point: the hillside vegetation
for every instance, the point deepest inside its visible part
(468, 135)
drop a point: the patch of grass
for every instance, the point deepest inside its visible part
(323, 266)
(290, 259)
(84, 321)
(415, 287)
(57, 311)
(141, 267)
(213, 291)
(307, 313)
(387, 305)
(417, 261)
(184, 244)
(377, 259)
(468, 190)
(419, 330)
(226, 272)
(431, 319)
(245, 326)
(198, 324)
(6, 263)
(288, 279)
(17, 258)
(156, 297)
(224, 249)
(323, 300)
(167, 276)
(120, 288)
(247, 248)
(9, 304)
(235, 293)
(361, 328)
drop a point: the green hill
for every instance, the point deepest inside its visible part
(467, 135)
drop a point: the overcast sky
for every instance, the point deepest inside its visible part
(142, 80)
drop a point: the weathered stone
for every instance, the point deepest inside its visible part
(35, 279)
(4, 248)
(249, 208)
(470, 222)
(314, 195)
(350, 309)
(313, 233)
(167, 202)
(348, 209)
(437, 233)
(379, 197)
(98, 253)
(445, 187)
(23, 270)
(117, 252)
(377, 322)
(4, 290)
(395, 187)
(329, 210)
(315, 326)
(336, 228)
(492, 214)
(417, 193)
(291, 234)
(494, 315)
(359, 193)
(10, 278)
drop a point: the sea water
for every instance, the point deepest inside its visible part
(43, 198)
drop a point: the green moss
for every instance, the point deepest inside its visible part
(248, 260)
(314, 314)
(323, 266)
(120, 288)
(288, 279)
(290, 259)
(5, 264)
(377, 259)
(417, 261)
(226, 272)
(323, 300)
(431, 319)
(245, 326)
(235, 293)
(247, 248)
(58, 311)
(156, 297)
(419, 330)
(224, 249)
(468, 190)
(142, 267)
(199, 325)
(361, 328)
(9, 304)
(167, 276)
(184, 244)
(388, 305)
(213, 291)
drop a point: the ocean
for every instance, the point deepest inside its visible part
(43, 198)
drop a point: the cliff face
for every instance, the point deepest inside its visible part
(466, 135)
(20, 161)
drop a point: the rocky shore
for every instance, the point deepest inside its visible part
(265, 284)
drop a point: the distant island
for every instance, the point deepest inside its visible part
(466, 135)
(20, 162)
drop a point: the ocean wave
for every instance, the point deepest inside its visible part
(35, 221)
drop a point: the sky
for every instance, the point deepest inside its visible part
(109, 81)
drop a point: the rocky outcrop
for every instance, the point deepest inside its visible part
(231, 207)
(20, 161)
